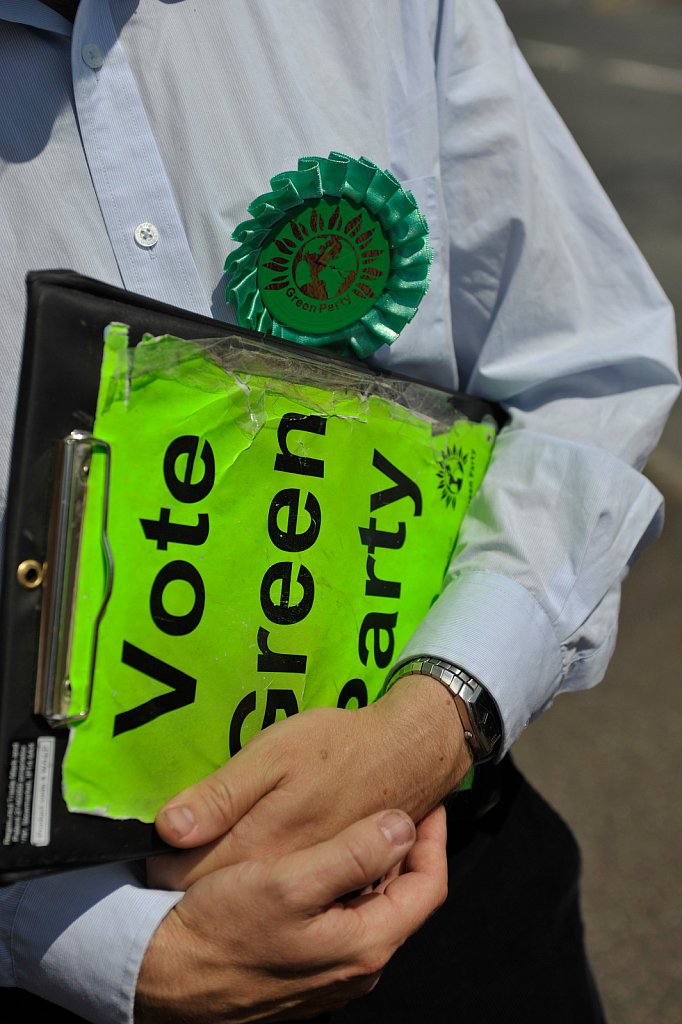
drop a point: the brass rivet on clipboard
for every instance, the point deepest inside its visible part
(30, 574)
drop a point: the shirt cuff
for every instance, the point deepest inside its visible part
(494, 629)
(78, 939)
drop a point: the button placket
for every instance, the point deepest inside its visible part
(114, 125)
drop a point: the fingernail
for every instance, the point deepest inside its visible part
(180, 820)
(397, 828)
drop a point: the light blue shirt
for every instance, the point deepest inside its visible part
(178, 114)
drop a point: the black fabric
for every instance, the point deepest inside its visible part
(507, 945)
(16, 1005)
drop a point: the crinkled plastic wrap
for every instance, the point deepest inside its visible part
(279, 524)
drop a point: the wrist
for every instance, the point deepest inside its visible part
(477, 710)
(158, 996)
(427, 736)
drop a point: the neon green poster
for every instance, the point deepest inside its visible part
(274, 545)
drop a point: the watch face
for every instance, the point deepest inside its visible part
(486, 722)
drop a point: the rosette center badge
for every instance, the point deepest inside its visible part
(336, 256)
(325, 268)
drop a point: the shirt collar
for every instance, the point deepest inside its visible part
(36, 14)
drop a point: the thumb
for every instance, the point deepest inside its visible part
(320, 875)
(212, 806)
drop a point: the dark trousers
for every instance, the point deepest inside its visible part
(507, 945)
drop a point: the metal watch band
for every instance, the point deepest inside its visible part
(476, 708)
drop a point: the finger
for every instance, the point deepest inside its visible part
(212, 806)
(409, 899)
(428, 853)
(395, 871)
(423, 856)
(310, 880)
(177, 871)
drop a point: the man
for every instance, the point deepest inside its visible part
(163, 113)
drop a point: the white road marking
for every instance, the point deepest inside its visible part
(552, 56)
(644, 76)
(633, 74)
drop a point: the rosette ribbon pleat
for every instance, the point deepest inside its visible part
(336, 256)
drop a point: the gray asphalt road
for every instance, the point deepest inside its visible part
(610, 759)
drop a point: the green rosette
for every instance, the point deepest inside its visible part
(336, 256)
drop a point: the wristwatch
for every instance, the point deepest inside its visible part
(477, 709)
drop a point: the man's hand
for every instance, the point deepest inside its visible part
(305, 779)
(267, 940)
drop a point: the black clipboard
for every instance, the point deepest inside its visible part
(66, 318)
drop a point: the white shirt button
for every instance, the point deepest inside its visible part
(93, 55)
(146, 235)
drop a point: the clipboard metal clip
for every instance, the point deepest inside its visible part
(53, 695)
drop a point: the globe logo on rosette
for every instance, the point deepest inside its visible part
(336, 256)
(325, 267)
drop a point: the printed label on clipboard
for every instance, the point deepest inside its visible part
(29, 792)
(41, 817)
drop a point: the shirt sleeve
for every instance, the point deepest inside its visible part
(557, 317)
(56, 938)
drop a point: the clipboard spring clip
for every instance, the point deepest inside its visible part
(59, 579)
